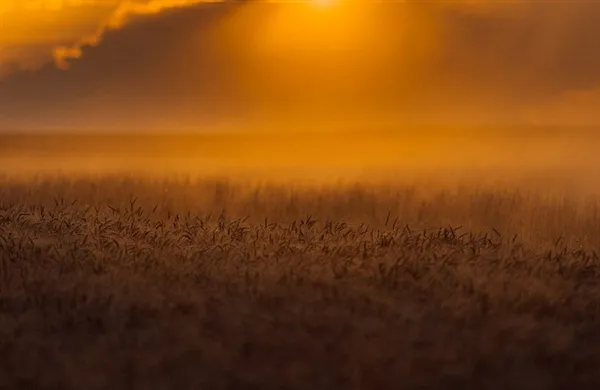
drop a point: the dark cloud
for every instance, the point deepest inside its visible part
(208, 62)
(546, 47)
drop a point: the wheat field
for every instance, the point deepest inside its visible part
(123, 282)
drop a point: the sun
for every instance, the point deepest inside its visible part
(323, 3)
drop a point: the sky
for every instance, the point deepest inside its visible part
(185, 64)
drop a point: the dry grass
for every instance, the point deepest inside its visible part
(117, 283)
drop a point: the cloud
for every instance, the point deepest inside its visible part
(122, 13)
(94, 18)
(133, 69)
(172, 64)
(30, 30)
(33, 32)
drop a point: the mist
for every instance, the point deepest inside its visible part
(351, 90)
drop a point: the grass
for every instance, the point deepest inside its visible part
(125, 283)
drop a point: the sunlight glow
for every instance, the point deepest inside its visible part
(323, 3)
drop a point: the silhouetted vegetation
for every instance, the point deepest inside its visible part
(114, 283)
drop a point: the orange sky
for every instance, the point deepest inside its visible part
(444, 62)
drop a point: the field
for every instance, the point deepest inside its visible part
(126, 282)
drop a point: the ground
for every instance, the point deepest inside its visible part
(115, 283)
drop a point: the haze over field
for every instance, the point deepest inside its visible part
(548, 162)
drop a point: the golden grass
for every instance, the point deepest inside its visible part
(121, 282)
